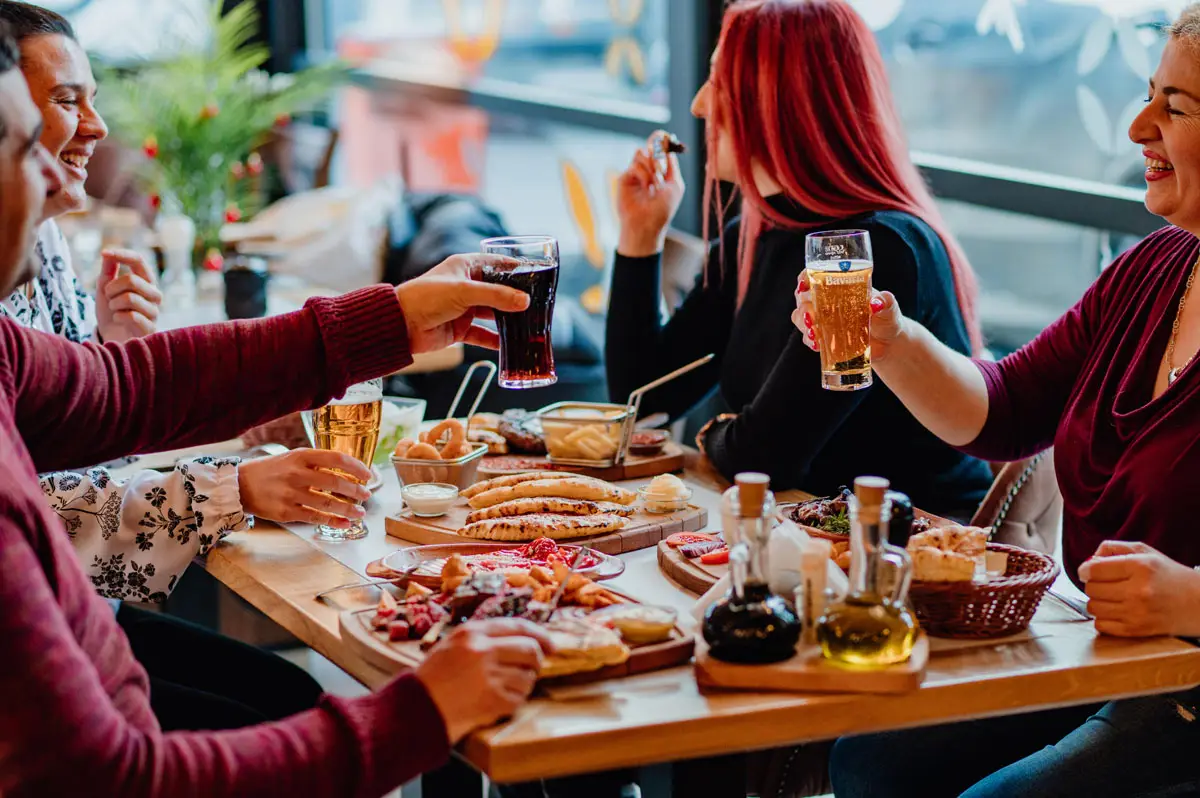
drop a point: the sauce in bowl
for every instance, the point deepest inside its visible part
(429, 499)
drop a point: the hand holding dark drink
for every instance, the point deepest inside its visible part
(530, 265)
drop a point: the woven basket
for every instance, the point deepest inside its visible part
(1003, 606)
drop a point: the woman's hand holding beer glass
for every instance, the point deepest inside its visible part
(648, 195)
(305, 486)
(887, 321)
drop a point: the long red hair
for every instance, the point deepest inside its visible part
(801, 90)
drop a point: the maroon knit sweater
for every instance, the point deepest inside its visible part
(74, 712)
(1127, 463)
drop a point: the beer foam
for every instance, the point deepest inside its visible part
(361, 393)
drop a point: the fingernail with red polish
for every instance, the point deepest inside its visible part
(876, 305)
(802, 286)
(808, 320)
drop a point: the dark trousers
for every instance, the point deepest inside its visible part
(1136, 747)
(203, 680)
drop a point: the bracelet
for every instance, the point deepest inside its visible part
(723, 417)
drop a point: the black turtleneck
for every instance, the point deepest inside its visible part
(787, 425)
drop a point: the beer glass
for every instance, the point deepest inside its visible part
(839, 272)
(526, 353)
(349, 425)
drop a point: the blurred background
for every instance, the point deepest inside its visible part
(520, 113)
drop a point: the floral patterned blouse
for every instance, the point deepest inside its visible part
(136, 536)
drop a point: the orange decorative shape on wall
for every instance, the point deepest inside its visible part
(478, 48)
(581, 207)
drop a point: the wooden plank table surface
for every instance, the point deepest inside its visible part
(664, 717)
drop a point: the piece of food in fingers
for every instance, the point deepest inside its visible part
(510, 480)
(549, 504)
(664, 145)
(565, 488)
(539, 525)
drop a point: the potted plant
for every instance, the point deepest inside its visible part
(200, 119)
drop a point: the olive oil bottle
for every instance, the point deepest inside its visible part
(873, 625)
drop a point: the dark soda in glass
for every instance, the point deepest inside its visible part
(526, 352)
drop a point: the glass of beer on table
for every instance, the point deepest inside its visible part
(349, 425)
(839, 272)
(526, 354)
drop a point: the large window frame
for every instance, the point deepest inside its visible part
(693, 28)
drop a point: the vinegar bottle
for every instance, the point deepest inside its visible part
(873, 624)
(750, 624)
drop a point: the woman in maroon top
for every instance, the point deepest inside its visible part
(1111, 387)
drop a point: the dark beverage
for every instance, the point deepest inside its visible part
(526, 352)
(758, 628)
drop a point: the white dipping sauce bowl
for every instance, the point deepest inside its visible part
(429, 499)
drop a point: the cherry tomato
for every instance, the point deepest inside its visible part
(684, 538)
(718, 557)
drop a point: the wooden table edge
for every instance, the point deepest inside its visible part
(734, 732)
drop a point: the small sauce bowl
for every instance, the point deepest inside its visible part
(429, 499)
(660, 505)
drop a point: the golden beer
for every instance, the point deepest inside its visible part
(349, 425)
(842, 297)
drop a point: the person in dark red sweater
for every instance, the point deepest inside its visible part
(1112, 387)
(75, 717)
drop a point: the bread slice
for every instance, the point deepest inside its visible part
(581, 646)
(531, 527)
(549, 504)
(935, 565)
(562, 488)
(510, 480)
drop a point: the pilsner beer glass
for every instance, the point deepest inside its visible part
(526, 353)
(349, 425)
(839, 272)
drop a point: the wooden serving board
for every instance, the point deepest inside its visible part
(642, 531)
(374, 648)
(405, 563)
(809, 672)
(671, 459)
(691, 575)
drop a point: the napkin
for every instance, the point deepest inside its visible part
(787, 540)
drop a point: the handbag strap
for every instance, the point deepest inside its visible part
(1013, 491)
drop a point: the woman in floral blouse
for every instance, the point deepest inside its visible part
(135, 537)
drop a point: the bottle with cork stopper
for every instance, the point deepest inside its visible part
(750, 624)
(873, 625)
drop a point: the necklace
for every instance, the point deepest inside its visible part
(1173, 372)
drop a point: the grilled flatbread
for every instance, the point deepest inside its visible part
(562, 488)
(549, 504)
(510, 480)
(549, 525)
(581, 646)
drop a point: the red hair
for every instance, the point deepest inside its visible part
(801, 90)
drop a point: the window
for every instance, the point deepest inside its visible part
(120, 30)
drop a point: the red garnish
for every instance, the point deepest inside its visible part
(399, 630)
(718, 557)
(684, 538)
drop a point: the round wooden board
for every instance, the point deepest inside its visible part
(688, 574)
(673, 458)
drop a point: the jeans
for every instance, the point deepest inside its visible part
(1136, 747)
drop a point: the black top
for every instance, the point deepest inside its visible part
(787, 425)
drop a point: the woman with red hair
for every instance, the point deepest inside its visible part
(800, 119)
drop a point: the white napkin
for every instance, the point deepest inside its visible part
(785, 545)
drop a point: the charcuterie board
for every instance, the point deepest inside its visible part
(691, 575)
(671, 459)
(642, 531)
(809, 672)
(374, 648)
(423, 564)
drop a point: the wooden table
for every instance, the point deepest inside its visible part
(663, 717)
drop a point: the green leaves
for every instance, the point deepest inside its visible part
(208, 109)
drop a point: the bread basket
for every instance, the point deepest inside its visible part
(1002, 606)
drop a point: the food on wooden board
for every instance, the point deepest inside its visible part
(573, 487)
(510, 480)
(489, 422)
(647, 443)
(523, 431)
(549, 504)
(495, 442)
(684, 538)
(666, 493)
(695, 550)
(533, 526)
(639, 623)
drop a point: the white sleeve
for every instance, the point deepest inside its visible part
(136, 537)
